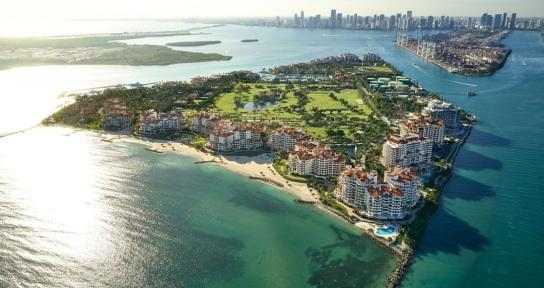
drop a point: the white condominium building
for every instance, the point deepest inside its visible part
(153, 123)
(406, 151)
(408, 182)
(204, 123)
(353, 184)
(285, 139)
(384, 202)
(388, 200)
(447, 112)
(425, 127)
(228, 137)
(116, 115)
(309, 159)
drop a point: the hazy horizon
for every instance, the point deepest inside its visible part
(171, 9)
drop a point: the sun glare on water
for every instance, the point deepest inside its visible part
(55, 189)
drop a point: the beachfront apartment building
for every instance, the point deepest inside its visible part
(203, 123)
(116, 116)
(153, 123)
(235, 137)
(408, 182)
(285, 139)
(410, 150)
(444, 111)
(384, 202)
(424, 126)
(313, 159)
(388, 200)
(353, 184)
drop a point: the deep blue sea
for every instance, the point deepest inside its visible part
(75, 211)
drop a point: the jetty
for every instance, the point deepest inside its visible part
(206, 161)
(154, 150)
(267, 180)
(303, 201)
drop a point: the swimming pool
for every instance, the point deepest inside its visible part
(386, 231)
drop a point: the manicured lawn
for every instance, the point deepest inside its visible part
(350, 95)
(383, 70)
(289, 101)
(338, 115)
(316, 132)
(225, 103)
(322, 101)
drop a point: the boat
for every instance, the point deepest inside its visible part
(472, 93)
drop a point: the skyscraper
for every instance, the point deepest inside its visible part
(409, 20)
(483, 20)
(302, 24)
(430, 22)
(333, 18)
(504, 18)
(392, 22)
(497, 21)
(513, 21)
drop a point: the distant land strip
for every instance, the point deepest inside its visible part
(192, 43)
(104, 49)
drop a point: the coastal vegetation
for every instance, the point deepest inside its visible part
(341, 102)
(412, 233)
(304, 106)
(88, 109)
(96, 50)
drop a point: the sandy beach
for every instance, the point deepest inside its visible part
(251, 166)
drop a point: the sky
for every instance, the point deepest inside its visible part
(76, 9)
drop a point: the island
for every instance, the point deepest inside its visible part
(100, 49)
(250, 40)
(192, 43)
(471, 53)
(354, 137)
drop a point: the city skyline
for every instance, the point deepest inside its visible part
(100, 9)
(336, 19)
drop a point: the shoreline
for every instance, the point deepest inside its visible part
(108, 49)
(406, 257)
(258, 168)
(451, 69)
(251, 167)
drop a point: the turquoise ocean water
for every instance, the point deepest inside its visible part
(75, 210)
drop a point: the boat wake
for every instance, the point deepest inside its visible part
(464, 83)
(419, 68)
